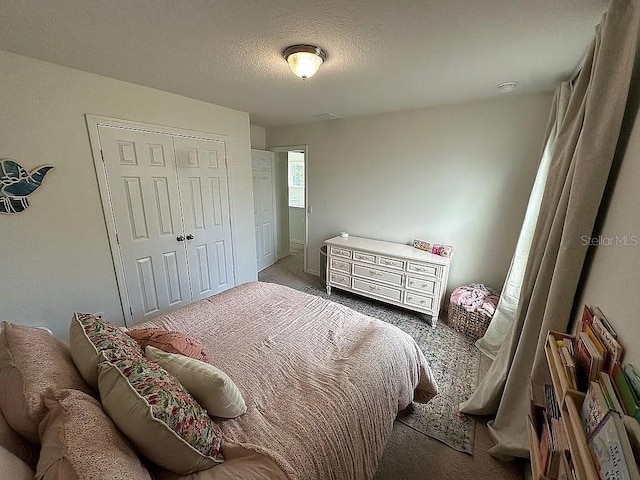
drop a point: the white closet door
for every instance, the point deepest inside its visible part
(263, 207)
(202, 174)
(143, 191)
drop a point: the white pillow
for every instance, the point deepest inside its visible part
(211, 387)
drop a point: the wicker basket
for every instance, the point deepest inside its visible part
(472, 324)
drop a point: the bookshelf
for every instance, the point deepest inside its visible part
(569, 402)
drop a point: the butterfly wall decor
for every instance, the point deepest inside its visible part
(16, 184)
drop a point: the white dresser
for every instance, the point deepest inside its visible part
(390, 272)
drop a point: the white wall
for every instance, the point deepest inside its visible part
(258, 137)
(296, 224)
(611, 276)
(56, 256)
(458, 174)
(280, 168)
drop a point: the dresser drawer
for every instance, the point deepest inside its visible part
(337, 264)
(340, 252)
(378, 290)
(391, 263)
(418, 300)
(422, 284)
(364, 257)
(424, 269)
(379, 275)
(340, 279)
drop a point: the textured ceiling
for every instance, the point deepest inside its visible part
(382, 55)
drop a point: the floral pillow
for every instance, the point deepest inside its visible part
(168, 341)
(162, 420)
(93, 340)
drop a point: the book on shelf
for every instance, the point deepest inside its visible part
(598, 313)
(610, 393)
(588, 361)
(594, 408)
(565, 471)
(611, 450)
(587, 318)
(565, 348)
(627, 395)
(613, 349)
(545, 446)
(633, 375)
(603, 336)
(551, 404)
(633, 431)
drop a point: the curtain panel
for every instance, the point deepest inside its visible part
(578, 173)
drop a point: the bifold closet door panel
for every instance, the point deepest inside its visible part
(145, 204)
(204, 194)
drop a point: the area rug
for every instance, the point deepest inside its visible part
(452, 357)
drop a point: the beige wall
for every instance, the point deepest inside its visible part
(611, 278)
(258, 137)
(56, 257)
(457, 174)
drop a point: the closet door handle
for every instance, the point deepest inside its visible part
(190, 237)
(180, 238)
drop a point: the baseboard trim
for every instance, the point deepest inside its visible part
(313, 272)
(296, 242)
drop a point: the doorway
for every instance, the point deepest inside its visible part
(292, 207)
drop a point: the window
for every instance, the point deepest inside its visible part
(296, 179)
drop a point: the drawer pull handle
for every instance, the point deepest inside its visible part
(373, 272)
(373, 287)
(411, 282)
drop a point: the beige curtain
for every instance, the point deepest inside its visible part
(504, 317)
(578, 173)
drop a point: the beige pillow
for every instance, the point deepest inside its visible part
(93, 340)
(21, 448)
(159, 416)
(211, 387)
(80, 441)
(11, 467)
(32, 362)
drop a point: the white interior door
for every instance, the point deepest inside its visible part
(202, 174)
(263, 205)
(143, 192)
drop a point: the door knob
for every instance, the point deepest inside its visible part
(180, 238)
(190, 237)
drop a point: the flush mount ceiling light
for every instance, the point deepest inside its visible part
(304, 60)
(507, 87)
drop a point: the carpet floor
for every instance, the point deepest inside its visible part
(412, 452)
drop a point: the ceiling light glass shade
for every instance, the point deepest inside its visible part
(304, 60)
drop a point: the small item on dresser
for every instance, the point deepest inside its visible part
(435, 248)
(344, 234)
(471, 308)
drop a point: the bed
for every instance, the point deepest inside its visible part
(322, 383)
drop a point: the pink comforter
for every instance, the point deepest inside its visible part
(322, 383)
